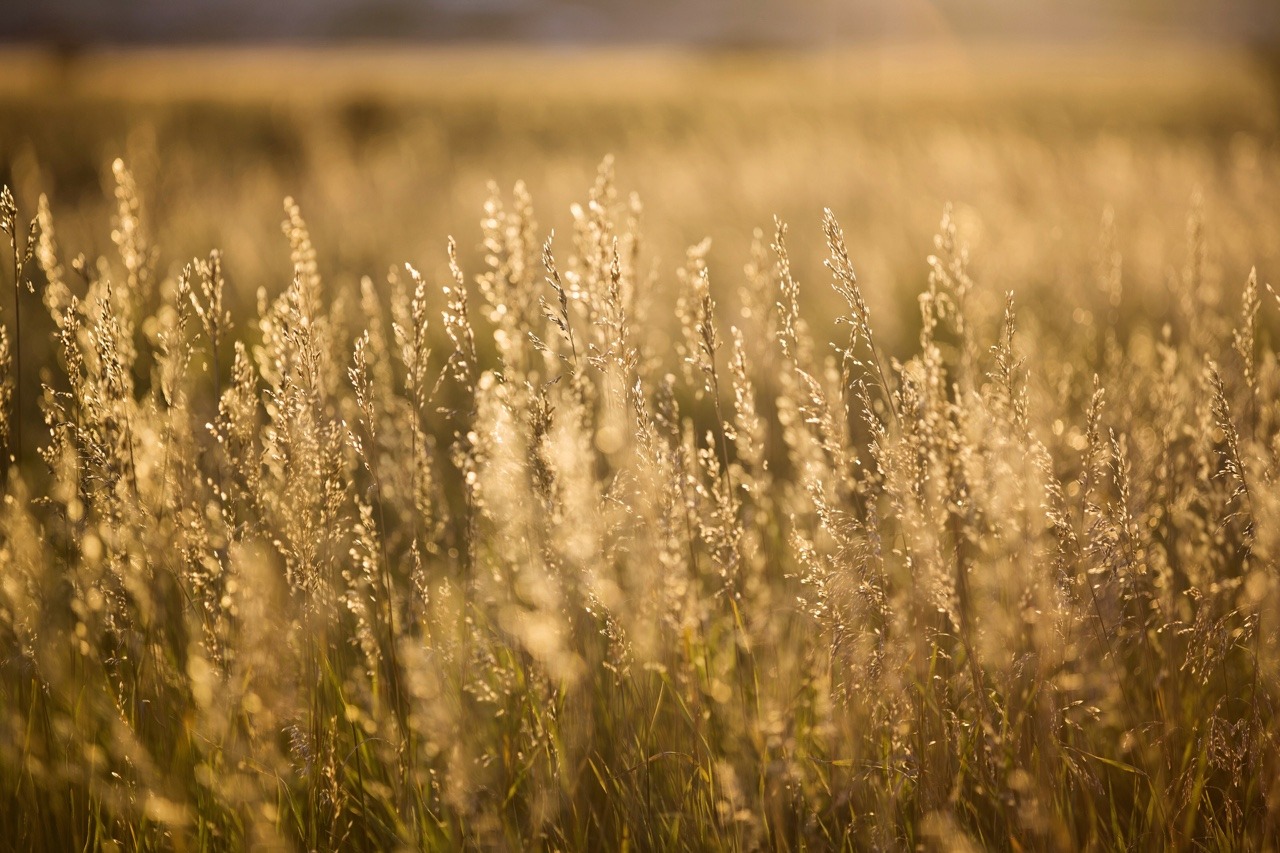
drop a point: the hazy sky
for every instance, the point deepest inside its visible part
(727, 22)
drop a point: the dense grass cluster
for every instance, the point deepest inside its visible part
(526, 558)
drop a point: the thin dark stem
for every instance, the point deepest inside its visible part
(17, 351)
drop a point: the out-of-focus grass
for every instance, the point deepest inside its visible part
(386, 151)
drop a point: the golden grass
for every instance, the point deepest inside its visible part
(814, 538)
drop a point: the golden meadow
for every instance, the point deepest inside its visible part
(851, 452)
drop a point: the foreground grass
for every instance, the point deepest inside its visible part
(513, 559)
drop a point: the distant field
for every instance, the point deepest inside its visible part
(1163, 74)
(389, 151)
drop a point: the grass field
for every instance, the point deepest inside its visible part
(931, 501)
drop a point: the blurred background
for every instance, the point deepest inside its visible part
(706, 23)
(387, 119)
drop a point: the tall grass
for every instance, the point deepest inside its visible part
(494, 561)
